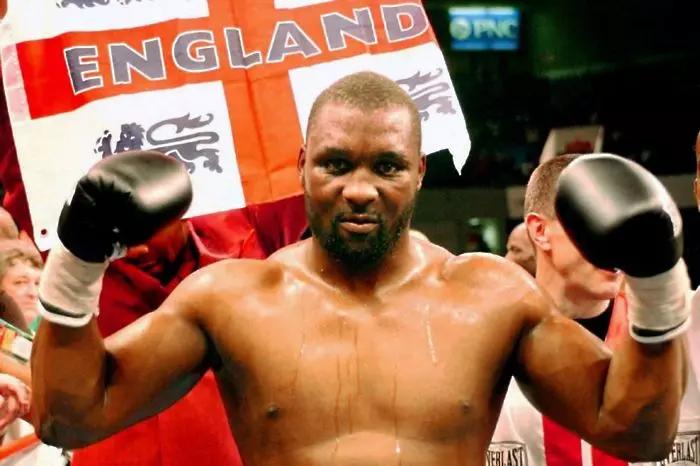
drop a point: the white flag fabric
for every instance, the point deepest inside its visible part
(225, 87)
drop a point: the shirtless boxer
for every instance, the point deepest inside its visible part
(359, 345)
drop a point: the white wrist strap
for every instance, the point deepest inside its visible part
(659, 304)
(70, 288)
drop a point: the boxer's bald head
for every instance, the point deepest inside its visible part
(367, 91)
(361, 169)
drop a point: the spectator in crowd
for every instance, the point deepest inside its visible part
(20, 268)
(519, 248)
(9, 311)
(12, 289)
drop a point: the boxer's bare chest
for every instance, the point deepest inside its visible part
(421, 362)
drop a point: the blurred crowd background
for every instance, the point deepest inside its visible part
(629, 67)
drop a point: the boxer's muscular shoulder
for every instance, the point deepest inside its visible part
(227, 282)
(242, 276)
(499, 280)
(486, 269)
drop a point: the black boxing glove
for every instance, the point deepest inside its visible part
(122, 201)
(621, 217)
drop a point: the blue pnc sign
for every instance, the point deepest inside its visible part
(484, 28)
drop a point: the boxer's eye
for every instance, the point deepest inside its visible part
(336, 166)
(388, 168)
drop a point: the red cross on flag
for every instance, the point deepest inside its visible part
(224, 86)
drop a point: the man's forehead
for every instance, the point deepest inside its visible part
(518, 240)
(333, 116)
(22, 265)
(338, 120)
(334, 109)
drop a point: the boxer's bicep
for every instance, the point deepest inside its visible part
(149, 365)
(623, 403)
(562, 370)
(86, 388)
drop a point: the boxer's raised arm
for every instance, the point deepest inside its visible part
(625, 403)
(86, 388)
(620, 217)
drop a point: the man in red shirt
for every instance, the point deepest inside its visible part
(194, 430)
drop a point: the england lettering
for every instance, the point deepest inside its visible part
(198, 51)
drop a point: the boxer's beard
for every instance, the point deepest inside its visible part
(374, 248)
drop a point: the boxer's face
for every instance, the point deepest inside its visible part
(581, 277)
(360, 172)
(21, 283)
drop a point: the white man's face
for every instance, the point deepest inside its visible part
(21, 283)
(582, 278)
(519, 249)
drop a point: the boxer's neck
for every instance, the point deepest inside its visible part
(397, 267)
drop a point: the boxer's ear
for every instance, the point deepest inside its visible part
(301, 161)
(422, 165)
(538, 231)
